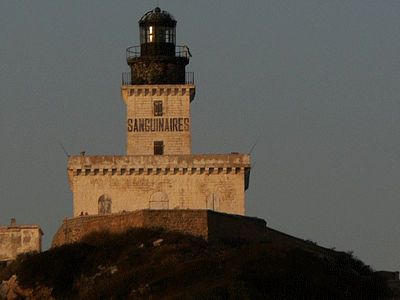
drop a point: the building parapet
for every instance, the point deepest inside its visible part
(158, 90)
(15, 227)
(127, 78)
(160, 161)
(20, 227)
(86, 171)
(131, 165)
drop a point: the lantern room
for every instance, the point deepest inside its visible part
(157, 60)
(157, 33)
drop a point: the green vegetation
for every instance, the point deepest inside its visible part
(132, 266)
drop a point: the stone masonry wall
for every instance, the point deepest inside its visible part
(166, 70)
(186, 221)
(16, 239)
(216, 182)
(226, 225)
(205, 223)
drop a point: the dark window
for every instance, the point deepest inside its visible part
(158, 109)
(158, 148)
(104, 204)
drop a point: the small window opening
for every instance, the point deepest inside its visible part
(158, 108)
(158, 148)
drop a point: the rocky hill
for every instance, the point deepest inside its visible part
(157, 264)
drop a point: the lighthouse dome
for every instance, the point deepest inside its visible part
(158, 17)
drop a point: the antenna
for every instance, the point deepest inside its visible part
(253, 146)
(65, 151)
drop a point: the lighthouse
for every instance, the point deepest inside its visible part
(158, 91)
(159, 171)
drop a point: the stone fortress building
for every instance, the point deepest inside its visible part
(159, 171)
(16, 239)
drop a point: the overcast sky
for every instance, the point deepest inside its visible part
(316, 83)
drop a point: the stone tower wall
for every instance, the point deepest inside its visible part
(173, 127)
(164, 70)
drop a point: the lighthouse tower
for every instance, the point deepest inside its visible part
(158, 171)
(158, 91)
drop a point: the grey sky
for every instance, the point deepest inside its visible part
(317, 82)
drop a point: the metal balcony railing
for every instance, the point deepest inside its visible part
(189, 78)
(127, 80)
(134, 51)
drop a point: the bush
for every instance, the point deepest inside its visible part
(188, 267)
(13, 268)
(56, 268)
